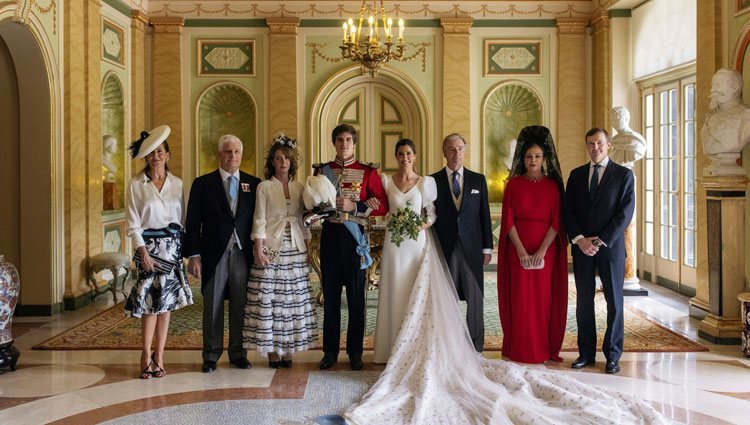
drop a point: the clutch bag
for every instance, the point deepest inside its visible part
(161, 265)
(540, 266)
(271, 253)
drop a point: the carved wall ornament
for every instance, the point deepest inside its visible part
(226, 57)
(24, 7)
(316, 51)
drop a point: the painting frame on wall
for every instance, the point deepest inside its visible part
(117, 227)
(742, 7)
(113, 43)
(226, 57)
(512, 57)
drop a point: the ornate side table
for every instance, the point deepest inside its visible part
(112, 261)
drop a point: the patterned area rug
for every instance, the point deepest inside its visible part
(112, 330)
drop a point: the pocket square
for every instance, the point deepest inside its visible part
(245, 187)
(474, 191)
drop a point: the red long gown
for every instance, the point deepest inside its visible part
(533, 303)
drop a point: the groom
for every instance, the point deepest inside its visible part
(464, 230)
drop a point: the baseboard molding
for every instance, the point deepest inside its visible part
(38, 310)
(84, 299)
(718, 340)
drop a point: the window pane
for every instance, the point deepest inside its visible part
(689, 248)
(673, 244)
(689, 139)
(649, 142)
(673, 140)
(673, 105)
(664, 208)
(690, 212)
(649, 174)
(690, 102)
(673, 177)
(664, 141)
(649, 206)
(673, 209)
(664, 173)
(650, 110)
(649, 238)
(664, 103)
(664, 242)
(689, 175)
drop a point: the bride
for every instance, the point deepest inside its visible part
(434, 375)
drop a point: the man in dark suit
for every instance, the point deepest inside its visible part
(218, 225)
(599, 202)
(464, 230)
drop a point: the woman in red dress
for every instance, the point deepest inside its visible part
(532, 279)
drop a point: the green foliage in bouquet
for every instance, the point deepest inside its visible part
(405, 222)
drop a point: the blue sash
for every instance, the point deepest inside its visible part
(363, 244)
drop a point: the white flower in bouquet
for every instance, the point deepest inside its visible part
(405, 223)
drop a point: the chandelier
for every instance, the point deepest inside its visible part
(373, 48)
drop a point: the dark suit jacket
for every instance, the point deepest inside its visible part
(209, 223)
(608, 215)
(471, 223)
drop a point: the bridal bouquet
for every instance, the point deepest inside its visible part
(405, 222)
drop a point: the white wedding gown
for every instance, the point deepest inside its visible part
(399, 264)
(434, 376)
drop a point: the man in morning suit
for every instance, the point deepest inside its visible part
(343, 251)
(599, 202)
(218, 225)
(464, 230)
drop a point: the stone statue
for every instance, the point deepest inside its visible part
(627, 145)
(109, 148)
(727, 127)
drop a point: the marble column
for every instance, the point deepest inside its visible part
(282, 86)
(601, 59)
(83, 145)
(725, 210)
(167, 84)
(708, 60)
(571, 93)
(139, 101)
(456, 114)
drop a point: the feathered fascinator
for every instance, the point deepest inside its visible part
(283, 140)
(149, 141)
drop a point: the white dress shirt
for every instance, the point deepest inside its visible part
(147, 208)
(272, 215)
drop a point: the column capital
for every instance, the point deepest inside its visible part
(571, 25)
(600, 23)
(283, 25)
(166, 24)
(138, 16)
(456, 25)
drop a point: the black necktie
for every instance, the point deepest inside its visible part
(594, 183)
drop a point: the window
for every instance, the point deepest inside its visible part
(667, 177)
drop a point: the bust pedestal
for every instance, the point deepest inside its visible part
(111, 199)
(725, 216)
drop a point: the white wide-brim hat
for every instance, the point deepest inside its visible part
(150, 141)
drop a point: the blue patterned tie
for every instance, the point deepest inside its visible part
(594, 183)
(455, 185)
(232, 187)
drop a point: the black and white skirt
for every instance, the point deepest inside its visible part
(280, 315)
(156, 293)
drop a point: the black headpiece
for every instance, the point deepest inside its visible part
(538, 135)
(136, 146)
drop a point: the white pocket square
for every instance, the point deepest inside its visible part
(474, 191)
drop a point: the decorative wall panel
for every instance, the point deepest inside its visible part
(512, 57)
(226, 57)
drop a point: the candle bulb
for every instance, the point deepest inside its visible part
(370, 20)
(389, 24)
(346, 31)
(400, 30)
(353, 30)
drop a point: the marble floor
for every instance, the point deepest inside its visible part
(81, 387)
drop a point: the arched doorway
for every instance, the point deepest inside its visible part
(382, 109)
(30, 215)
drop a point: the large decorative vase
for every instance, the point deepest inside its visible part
(745, 300)
(9, 287)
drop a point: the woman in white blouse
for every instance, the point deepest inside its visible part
(279, 315)
(154, 215)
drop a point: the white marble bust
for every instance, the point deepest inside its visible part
(627, 145)
(727, 127)
(109, 148)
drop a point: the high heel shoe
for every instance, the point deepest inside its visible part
(286, 362)
(274, 364)
(159, 372)
(146, 372)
